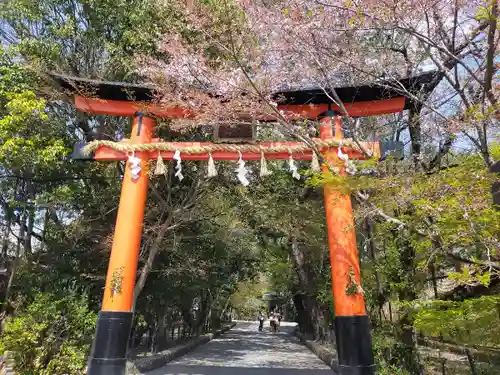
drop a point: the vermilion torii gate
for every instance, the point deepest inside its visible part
(109, 350)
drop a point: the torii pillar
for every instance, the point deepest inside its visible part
(352, 324)
(109, 351)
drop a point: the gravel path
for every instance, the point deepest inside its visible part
(245, 351)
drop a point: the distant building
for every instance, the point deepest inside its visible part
(277, 300)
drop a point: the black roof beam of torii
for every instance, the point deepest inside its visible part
(121, 91)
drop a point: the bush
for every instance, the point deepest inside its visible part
(51, 337)
(385, 350)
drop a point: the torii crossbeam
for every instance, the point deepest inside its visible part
(108, 356)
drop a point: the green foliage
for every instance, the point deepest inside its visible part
(247, 299)
(435, 218)
(439, 214)
(85, 36)
(383, 351)
(52, 336)
(471, 321)
(31, 141)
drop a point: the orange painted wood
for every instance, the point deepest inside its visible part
(127, 109)
(122, 269)
(341, 236)
(355, 109)
(312, 111)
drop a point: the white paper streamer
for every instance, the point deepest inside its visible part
(135, 166)
(178, 166)
(242, 171)
(264, 171)
(315, 167)
(349, 165)
(342, 156)
(293, 168)
(211, 170)
(160, 166)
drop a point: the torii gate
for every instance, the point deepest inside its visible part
(109, 350)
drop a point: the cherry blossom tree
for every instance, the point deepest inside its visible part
(244, 51)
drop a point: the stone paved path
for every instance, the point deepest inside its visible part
(245, 351)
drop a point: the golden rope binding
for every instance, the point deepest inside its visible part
(199, 149)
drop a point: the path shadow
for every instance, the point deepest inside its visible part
(213, 370)
(253, 350)
(237, 346)
(246, 351)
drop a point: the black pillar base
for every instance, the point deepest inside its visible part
(109, 351)
(354, 345)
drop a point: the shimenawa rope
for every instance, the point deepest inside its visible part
(200, 149)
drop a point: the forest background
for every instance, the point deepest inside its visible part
(428, 232)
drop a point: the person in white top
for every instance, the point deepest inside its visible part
(261, 321)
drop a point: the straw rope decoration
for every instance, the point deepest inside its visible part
(200, 149)
(128, 148)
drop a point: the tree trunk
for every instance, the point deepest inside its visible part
(131, 337)
(408, 356)
(161, 334)
(223, 311)
(44, 235)
(316, 323)
(381, 298)
(15, 263)
(319, 319)
(196, 323)
(415, 130)
(30, 213)
(5, 237)
(206, 305)
(9, 215)
(153, 251)
(28, 251)
(303, 318)
(470, 359)
(150, 332)
(159, 339)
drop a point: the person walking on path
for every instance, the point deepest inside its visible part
(273, 322)
(278, 320)
(261, 321)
